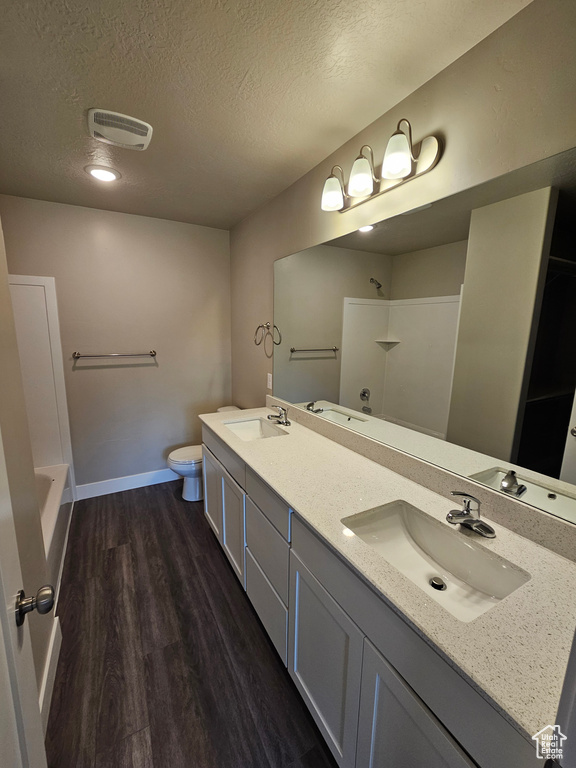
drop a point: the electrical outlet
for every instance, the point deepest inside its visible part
(269, 381)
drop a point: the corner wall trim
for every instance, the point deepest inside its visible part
(91, 490)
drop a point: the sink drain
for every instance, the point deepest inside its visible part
(437, 583)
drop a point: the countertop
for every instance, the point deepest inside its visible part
(515, 654)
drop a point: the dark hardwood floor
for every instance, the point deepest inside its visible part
(164, 663)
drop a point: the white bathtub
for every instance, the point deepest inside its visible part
(55, 501)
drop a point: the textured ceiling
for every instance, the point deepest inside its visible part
(244, 97)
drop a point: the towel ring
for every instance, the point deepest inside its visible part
(257, 340)
(279, 335)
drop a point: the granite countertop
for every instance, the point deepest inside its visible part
(515, 654)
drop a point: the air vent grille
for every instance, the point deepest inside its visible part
(120, 130)
(114, 120)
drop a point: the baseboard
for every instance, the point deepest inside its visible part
(49, 675)
(90, 490)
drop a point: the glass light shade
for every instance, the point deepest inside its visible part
(361, 182)
(332, 195)
(397, 160)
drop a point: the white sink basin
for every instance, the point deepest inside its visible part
(538, 495)
(254, 429)
(423, 548)
(341, 417)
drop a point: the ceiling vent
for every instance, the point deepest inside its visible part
(120, 130)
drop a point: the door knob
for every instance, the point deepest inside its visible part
(43, 603)
(573, 431)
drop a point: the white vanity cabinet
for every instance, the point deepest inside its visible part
(395, 728)
(267, 559)
(382, 696)
(254, 532)
(224, 502)
(233, 531)
(212, 473)
(325, 661)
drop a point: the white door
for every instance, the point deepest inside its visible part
(568, 471)
(21, 733)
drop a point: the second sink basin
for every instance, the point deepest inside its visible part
(472, 580)
(254, 429)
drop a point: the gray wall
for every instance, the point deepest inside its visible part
(437, 271)
(508, 251)
(130, 283)
(503, 105)
(308, 306)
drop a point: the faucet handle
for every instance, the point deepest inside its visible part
(467, 501)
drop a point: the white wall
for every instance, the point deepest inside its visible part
(418, 379)
(129, 284)
(508, 251)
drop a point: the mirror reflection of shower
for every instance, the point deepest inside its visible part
(365, 397)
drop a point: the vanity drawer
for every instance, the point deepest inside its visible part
(268, 547)
(271, 610)
(269, 503)
(225, 456)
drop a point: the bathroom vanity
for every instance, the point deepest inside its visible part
(390, 674)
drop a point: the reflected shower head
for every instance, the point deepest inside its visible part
(376, 283)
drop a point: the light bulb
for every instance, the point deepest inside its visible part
(367, 228)
(101, 173)
(397, 159)
(332, 195)
(361, 180)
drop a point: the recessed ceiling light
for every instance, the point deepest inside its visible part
(102, 173)
(367, 228)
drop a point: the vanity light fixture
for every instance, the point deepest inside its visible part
(403, 161)
(103, 173)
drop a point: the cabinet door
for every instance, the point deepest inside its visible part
(234, 537)
(325, 661)
(395, 727)
(213, 474)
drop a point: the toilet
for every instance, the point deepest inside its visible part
(187, 462)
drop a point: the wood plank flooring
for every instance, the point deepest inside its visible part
(164, 663)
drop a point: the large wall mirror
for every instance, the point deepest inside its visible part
(449, 332)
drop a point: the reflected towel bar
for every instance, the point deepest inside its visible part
(320, 349)
(152, 353)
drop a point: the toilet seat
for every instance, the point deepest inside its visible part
(190, 454)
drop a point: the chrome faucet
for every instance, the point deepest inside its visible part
(469, 516)
(510, 484)
(310, 407)
(280, 417)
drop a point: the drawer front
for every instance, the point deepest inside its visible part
(272, 506)
(235, 466)
(268, 548)
(271, 610)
